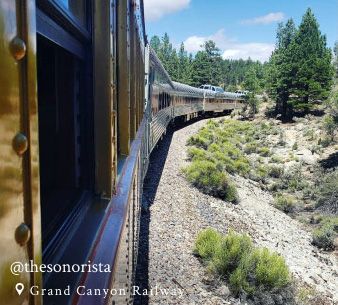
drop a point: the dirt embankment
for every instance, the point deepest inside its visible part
(174, 213)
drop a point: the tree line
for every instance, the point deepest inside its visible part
(299, 74)
(206, 67)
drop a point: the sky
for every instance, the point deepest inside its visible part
(240, 28)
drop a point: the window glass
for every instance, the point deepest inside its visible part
(76, 7)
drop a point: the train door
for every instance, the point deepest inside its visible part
(19, 172)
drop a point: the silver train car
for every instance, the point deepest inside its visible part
(167, 100)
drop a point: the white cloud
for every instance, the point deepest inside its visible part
(193, 43)
(230, 48)
(156, 9)
(266, 19)
(254, 50)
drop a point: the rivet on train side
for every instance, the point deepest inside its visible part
(18, 48)
(22, 234)
(20, 143)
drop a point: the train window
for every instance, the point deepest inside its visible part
(66, 148)
(61, 135)
(160, 101)
(76, 8)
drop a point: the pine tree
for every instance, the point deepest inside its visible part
(183, 66)
(200, 67)
(335, 50)
(207, 65)
(279, 70)
(166, 48)
(190, 70)
(214, 59)
(173, 66)
(251, 83)
(155, 43)
(312, 70)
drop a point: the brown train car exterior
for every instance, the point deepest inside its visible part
(49, 48)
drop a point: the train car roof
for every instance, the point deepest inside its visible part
(188, 89)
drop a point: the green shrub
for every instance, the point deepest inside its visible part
(271, 270)
(195, 153)
(235, 258)
(206, 243)
(199, 141)
(276, 159)
(326, 142)
(275, 171)
(330, 126)
(262, 172)
(326, 191)
(260, 269)
(332, 221)
(305, 294)
(242, 166)
(223, 145)
(241, 279)
(261, 160)
(295, 146)
(315, 149)
(274, 130)
(229, 164)
(293, 179)
(309, 133)
(274, 187)
(323, 237)
(264, 151)
(230, 252)
(253, 103)
(232, 194)
(215, 148)
(281, 140)
(208, 177)
(251, 148)
(285, 203)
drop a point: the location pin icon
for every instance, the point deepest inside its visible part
(19, 288)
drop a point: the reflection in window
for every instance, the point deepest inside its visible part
(76, 7)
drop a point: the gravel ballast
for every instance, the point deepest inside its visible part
(173, 214)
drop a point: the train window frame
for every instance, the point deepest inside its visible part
(88, 210)
(52, 31)
(59, 14)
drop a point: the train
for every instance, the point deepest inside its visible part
(84, 101)
(170, 100)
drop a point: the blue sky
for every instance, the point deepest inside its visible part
(241, 28)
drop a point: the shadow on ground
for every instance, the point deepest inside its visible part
(151, 182)
(330, 162)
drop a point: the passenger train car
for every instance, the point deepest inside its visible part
(170, 99)
(84, 101)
